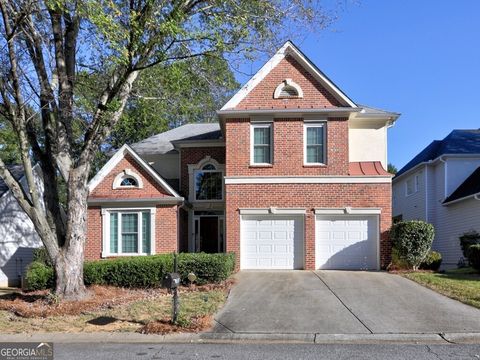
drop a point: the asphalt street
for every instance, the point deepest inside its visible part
(252, 351)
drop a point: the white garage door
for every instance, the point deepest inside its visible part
(271, 242)
(346, 242)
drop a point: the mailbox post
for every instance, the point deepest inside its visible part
(171, 281)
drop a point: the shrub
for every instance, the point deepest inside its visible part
(397, 262)
(39, 277)
(412, 240)
(474, 256)
(209, 268)
(41, 255)
(432, 261)
(467, 239)
(141, 271)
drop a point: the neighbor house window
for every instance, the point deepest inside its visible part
(412, 184)
(261, 144)
(130, 232)
(208, 183)
(314, 144)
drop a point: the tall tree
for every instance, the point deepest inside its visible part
(48, 44)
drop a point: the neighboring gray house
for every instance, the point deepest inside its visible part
(18, 237)
(441, 185)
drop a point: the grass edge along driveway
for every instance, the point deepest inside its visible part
(459, 284)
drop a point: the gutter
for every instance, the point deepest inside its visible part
(474, 196)
(162, 200)
(344, 110)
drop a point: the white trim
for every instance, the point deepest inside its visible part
(348, 210)
(273, 211)
(106, 230)
(132, 201)
(254, 126)
(115, 159)
(308, 180)
(287, 49)
(290, 83)
(198, 143)
(193, 168)
(125, 174)
(312, 124)
(475, 196)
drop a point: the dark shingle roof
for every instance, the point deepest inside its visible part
(470, 186)
(17, 173)
(162, 143)
(457, 142)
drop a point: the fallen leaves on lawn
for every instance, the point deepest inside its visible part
(164, 326)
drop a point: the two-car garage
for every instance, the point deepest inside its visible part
(347, 241)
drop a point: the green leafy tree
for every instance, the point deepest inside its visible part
(51, 46)
(392, 169)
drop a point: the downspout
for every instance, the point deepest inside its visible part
(426, 192)
(441, 158)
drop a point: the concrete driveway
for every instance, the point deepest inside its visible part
(339, 302)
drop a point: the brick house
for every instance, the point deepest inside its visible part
(291, 177)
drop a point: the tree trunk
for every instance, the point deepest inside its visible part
(69, 262)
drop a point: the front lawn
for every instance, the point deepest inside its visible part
(112, 309)
(460, 284)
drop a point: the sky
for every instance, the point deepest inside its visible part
(418, 58)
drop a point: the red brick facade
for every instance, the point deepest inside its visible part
(150, 187)
(165, 215)
(288, 149)
(309, 197)
(193, 155)
(165, 231)
(288, 160)
(314, 94)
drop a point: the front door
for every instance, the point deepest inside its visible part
(209, 233)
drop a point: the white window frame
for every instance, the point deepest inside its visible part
(106, 230)
(127, 173)
(196, 171)
(415, 185)
(316, 124)
(252, 143)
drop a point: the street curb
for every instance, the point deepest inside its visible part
(136, 338)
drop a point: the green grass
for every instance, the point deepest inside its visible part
(460, 284)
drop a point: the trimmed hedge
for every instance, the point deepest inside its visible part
(474, 256)
(412, 240)
(468, 239)
(141, 271)
(432, 261)
(39, 277)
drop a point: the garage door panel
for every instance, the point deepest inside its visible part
(273, 242)
(346, 243)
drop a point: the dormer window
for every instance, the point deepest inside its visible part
(127, 179)
(129, 182)
(288, 89)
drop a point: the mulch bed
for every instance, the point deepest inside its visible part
(42, 304)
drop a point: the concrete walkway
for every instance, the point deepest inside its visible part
(340, 302)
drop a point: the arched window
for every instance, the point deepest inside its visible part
(209, 167)
(288, 89)
(127, 179)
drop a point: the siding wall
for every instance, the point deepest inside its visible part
(411, 207)
(18, 238)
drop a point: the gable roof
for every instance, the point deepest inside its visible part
(470, 187)
(163, 143)
(115, 159)
(458, 142)
(16, 171)
(289, 49)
